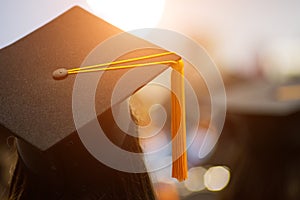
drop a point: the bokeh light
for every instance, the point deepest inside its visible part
(195, 181)
(216, 178)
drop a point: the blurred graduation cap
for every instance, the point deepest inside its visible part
(36, 102)
(263, 98)
(266, 115)
(264, 119)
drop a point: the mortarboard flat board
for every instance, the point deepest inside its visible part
(264, 118)
(36, 107)
(264, 99)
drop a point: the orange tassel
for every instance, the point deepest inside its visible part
(178, 123)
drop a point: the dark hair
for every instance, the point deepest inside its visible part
(129, 186)
(68, 171)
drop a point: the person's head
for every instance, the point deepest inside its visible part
(69, 171)
(49, 98)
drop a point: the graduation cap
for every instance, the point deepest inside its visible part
(264, 117)
(265, 113)
(38, 73)
(261, 98)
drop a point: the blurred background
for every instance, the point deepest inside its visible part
(256, 46)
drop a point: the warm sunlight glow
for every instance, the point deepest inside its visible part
(130, 14)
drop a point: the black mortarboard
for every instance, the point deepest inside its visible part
(260, 98)
(36, 107)
(264, 118)
(266, 115)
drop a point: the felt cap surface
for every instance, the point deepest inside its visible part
(36, 107)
